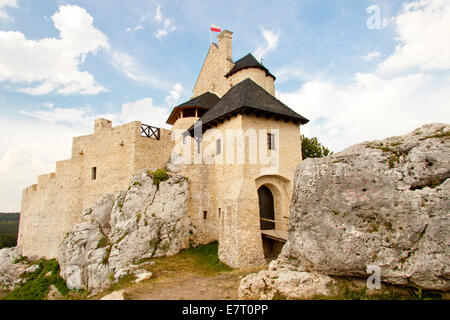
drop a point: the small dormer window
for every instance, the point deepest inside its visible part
(271, 141)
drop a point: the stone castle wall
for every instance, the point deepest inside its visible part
(52, 206)
(227, 192)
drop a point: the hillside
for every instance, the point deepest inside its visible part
(9, 227)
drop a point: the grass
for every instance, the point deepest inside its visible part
(445, 135)
(200, 261)
(203, 260)
(38, 283)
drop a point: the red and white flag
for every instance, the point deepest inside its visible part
(215, 28)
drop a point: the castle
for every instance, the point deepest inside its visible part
(237, 144)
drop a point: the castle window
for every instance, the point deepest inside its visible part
(271, 141)
(94, 173)
(205, 215)
(218, 146)
(220, 213)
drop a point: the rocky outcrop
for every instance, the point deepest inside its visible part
(11, 267)
(383, 203)
(144, 221)
(284, 280)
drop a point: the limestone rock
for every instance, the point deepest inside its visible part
(9, 270)
(143, 221)
(142, 275)
(285, 283)
(383, 203)
(116, 295)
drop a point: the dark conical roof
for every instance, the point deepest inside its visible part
(249, 61)
(248, 95)
(203, 101)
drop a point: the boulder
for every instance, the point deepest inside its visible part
(383, 203)
(143, 221)
(285, 281)
(116, 295)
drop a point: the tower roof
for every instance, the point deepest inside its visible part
(203, 101)
(250, 97)
(249, 61)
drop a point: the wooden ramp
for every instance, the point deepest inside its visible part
(279, 235)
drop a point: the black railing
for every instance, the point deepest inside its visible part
(150, 132)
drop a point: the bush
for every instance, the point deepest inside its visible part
(158, 176)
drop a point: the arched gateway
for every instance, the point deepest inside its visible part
(273, 213)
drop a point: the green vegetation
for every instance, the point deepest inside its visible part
(9, 227)
(445, 135)
(103, 242)
(312, 148)
(158, 176)
(200, 261)
(203, 260)
(37, 284)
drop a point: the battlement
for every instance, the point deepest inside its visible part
(102, 162)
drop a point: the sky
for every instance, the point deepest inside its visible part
(358, 70)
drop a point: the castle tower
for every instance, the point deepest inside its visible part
(239, 197)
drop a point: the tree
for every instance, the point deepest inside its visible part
(312, 148)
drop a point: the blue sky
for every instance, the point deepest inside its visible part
(65, 63)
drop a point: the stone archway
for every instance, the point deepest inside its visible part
(266, 208)
(273, 198)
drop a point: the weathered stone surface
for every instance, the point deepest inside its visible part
(116, 295)
(285, 281)
(142, 275)
(9, 270)
(383, 203)
(144, 221)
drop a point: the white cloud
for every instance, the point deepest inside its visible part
(158, 15)
(127, 65)
(167, 24)
(381, 104)
(145, 111)
(373, 55)
(31, 149)
(174, 95)
(4, 4)
(423, 30)
(137, 28)
(271, 43)
(52, 64)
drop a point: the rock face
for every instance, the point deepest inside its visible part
(143, 221)
(10, 271)
(383, 203)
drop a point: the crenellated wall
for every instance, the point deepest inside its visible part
(52, 206)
